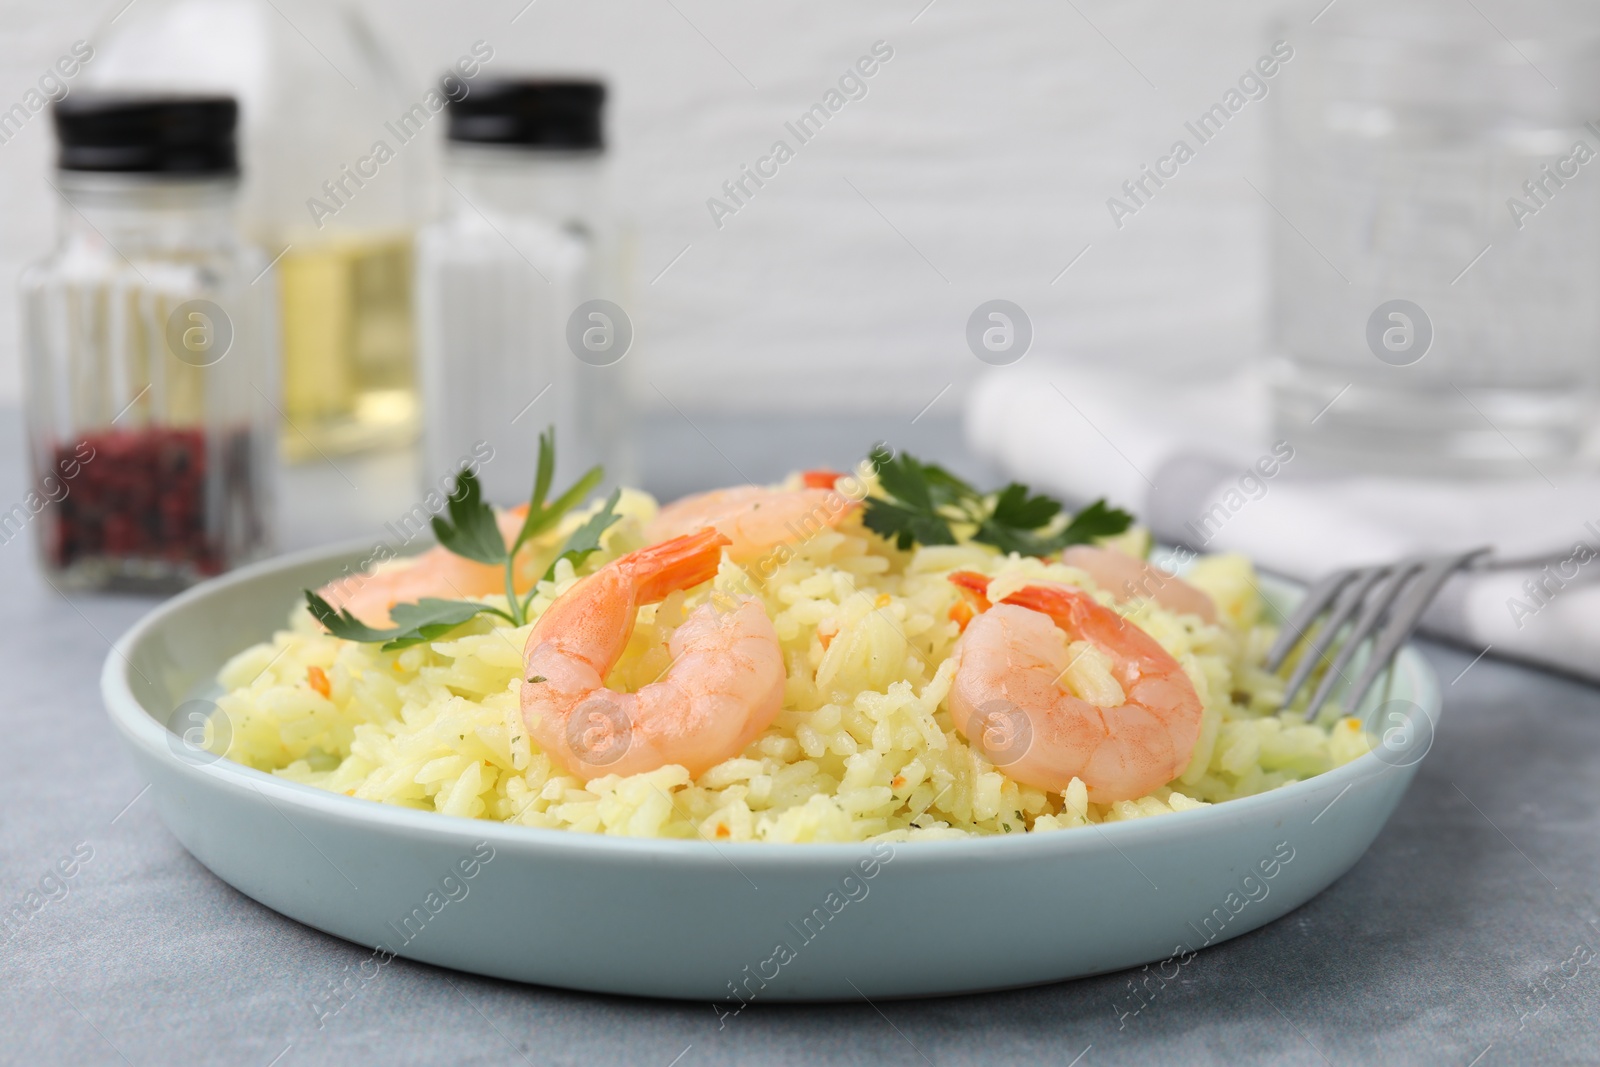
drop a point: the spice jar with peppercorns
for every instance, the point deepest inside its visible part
(149, 363)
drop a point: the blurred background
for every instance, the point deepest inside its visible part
(990, 142)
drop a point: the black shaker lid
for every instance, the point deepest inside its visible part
(141, 133)
(530, 113)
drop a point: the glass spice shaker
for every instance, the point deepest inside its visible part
(526, 247)
(147, 341)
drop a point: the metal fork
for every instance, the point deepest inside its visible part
(1383, 603)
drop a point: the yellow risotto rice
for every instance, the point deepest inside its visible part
(864, 748)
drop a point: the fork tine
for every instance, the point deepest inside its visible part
(1372, 615)
(1405, 617)
(1349, 599)
(1318, 597)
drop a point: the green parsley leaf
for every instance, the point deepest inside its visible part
(946, 488)
(1093, 522)
(918, 491)
(546, 471)
(471, 530)
(425, 620)
(341, 623)
(585, 540)
(1015, 507)
(1008, 539)
(905, 525)
(540, 517)
(924, 504)
(431, 618)
(903, 478)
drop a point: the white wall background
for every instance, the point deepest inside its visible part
(983, 155)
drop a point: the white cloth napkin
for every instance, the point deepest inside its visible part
(1198, 465)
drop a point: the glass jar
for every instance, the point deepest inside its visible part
(525, 249)
(318, 93)
(147, 356)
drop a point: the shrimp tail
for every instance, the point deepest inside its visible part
(974, 585)
(1072, 610)
(681, 563)
(1079, 614)
(820, 479)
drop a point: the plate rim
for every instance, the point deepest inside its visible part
(143, 730)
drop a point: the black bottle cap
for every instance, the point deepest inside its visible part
(147, 134)
(529, 113)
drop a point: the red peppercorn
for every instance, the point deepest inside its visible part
(142, 496)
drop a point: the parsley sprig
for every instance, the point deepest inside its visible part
(469, 529)
(924, 504)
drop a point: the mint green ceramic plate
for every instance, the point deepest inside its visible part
(720, 922)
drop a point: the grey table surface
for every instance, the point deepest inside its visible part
(1469, 934)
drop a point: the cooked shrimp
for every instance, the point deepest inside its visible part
(725, 684)
(754, 518)
(1130, 578)
(438, 572)
(1007, 695)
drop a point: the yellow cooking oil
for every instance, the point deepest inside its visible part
(349, 370)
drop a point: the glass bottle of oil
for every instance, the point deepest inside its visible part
(333, 158)
(348, 370)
